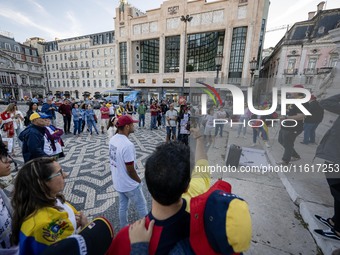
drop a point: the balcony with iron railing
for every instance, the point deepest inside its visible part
(292, 71)
(72, 58)
(310, 71)
(74, 77)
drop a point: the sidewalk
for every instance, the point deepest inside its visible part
(308, 190)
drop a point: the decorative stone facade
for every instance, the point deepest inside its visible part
(21, 70)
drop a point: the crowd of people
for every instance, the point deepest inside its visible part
(187, 214)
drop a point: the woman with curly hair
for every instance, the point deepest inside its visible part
(41, 214)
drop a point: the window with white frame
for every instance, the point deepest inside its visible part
(312, 63)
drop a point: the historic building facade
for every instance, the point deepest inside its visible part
(305, 55)
(21, 70)
(81, 66)
(151, 46)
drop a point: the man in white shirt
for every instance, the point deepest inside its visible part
(124, 170)
(171, 118)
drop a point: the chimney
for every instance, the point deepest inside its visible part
(310, 15)
(320, 6)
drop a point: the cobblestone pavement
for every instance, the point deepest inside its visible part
(89, 184)
(277, 226)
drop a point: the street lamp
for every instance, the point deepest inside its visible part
(253, 66)
(218, 63)
(185, 19)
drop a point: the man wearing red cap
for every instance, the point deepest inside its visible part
(172, 186)
(124, 170)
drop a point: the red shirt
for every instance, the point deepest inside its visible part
(154, 107)
(166, 234)
(105, 116)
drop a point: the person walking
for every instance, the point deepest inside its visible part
(90, 119)
(312, 121)
(328, 150)
(124, 169)
(291, 130)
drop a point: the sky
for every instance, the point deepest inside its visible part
(69, 18)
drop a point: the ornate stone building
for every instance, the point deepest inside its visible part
(305, 55)
(21, 70)
(81, 66)
(151, 46)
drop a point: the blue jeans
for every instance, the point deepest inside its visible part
(92, 123)
(309, 132)
(219, 127)
(163, 120)
(77, 126)
(137, 198)
(257, 131)
(244, 127)
(141, 119)
(169, 131)
(153, 122)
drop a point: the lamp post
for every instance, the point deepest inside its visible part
(185, 19)
(47, 82)
(253, 66)
(218, 63)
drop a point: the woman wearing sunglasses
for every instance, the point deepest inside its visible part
(41, 214)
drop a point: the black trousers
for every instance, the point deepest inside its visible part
(287, 139)
(333, 180)
(67, 123)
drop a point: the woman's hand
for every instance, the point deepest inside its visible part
(81, 220)
(138, 233)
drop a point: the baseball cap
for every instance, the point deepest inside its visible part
(37, 115)
(298, 86)
(125, 120)
(220, 222)
(94, 239)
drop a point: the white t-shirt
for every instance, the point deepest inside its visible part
(184, 123)
(121, 151)
(171, 114)
(47, 145)
(70, 212)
